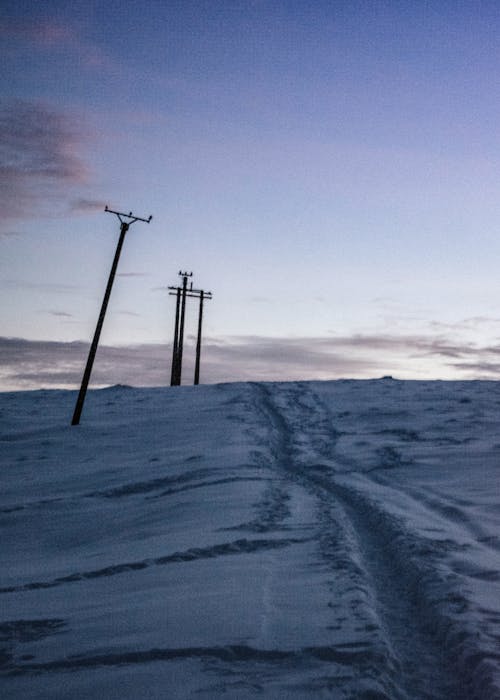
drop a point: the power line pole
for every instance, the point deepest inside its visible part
(182, 294)
(126, 220)
(176, 337)
(180, 345)
(180, 315)
(198, 340)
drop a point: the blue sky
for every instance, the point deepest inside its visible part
(328, 170)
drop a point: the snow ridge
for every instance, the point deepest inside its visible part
(242, 546)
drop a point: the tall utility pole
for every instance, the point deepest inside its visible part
(180, 345)
(182, 294)
(176, 337)
(180, 315)
(126, 220)
(198, 340)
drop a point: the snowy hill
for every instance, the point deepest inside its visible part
(297, 540)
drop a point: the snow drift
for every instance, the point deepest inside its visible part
(291, 540)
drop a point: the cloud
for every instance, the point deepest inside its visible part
(479, 369)
(43, 33)
(472, 323)
(61, 314)
(38, 157)
(42, 364)
(37, 141)
(49, 35)
(29, 364)
(132, 274)
(261, 300)
(9, 234)
(85, 206)
(266, 359)
(46, 287)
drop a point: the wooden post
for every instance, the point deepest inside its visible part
(176, 338)
(198, 341)
(124, 227)
(93, 348)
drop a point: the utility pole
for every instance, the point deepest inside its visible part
(198, 340)
(180, 344)
(180, 315)
(182, 294)
(176, 337)
(126, 220)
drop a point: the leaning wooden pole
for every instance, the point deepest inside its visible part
(124, 227)
(93, 348)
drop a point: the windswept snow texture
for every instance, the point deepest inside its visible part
(293, 540)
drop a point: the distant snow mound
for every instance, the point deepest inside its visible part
(116, 387)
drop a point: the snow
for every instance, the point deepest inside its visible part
(278, 540)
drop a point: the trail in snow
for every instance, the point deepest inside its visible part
(373, 579)
(296, 540)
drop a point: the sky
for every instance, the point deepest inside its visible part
(328, 170)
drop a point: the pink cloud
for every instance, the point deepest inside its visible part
(38, 156)
(48, 34)
(83, 205)
(42, 33)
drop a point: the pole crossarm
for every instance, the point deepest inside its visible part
(192, 293)
(130, 216)
(197, 293)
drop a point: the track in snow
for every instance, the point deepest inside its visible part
(395, 619)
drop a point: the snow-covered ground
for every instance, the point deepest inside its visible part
(291, 540)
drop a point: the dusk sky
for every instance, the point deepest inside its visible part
(329, 170)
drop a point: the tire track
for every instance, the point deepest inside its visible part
(393, 575)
